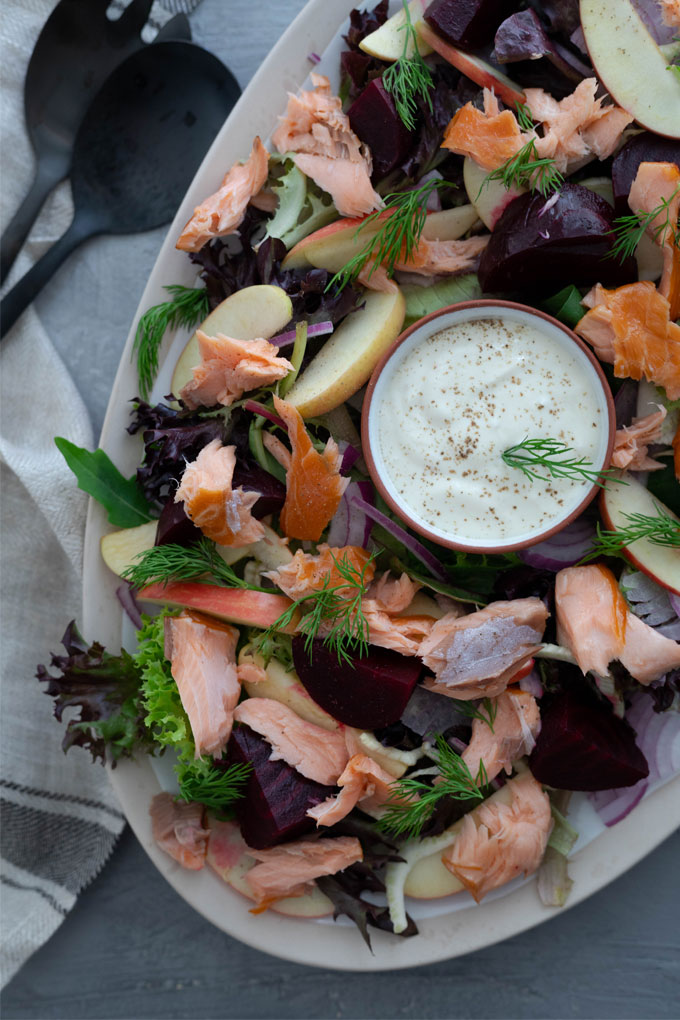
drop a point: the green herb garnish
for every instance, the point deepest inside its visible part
(553, 456)
(525, 169)
(397, 236)
(188, 307)
(674, 69)
(412, 801)
(661, 530)
(485, 712)
(99, 477)
(164, 563)
(628, 230)
(409, 76)
(215, 788)
(334, 610)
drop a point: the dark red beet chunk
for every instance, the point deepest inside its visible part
(582, 745)
(277, 798)
(643, 148)
(253, 478)
(372, 695)
(373, 118)
(174, 527)
(532, 247)
(468, 23)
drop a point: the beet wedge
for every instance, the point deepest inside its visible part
(370, 693)
(277, 798)
(582, 745)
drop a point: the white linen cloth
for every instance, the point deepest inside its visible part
(60, 818)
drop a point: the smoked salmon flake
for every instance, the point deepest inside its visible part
(314, 486)
(499, 842)
(631, 443)
(222, 513)
(229, 367)
(516, 724)
(654, 184)
(489, 138)
(326, 149)
(202, 655)
(630, 328)
(363, 782)
(288, 869)
(223, 212)
(308, 573)
(177, 827)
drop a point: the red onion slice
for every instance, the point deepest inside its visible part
(350, 525)
(350, 455)
(316, 329)
(531, 684)
(427, 558)
(255, 408)
(125, 596)
(563, 549)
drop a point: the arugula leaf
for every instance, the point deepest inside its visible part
(566, 305)
(121, 497)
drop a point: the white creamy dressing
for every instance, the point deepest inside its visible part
(447, 406)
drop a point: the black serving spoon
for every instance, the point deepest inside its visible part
(76, 51)
(136, 152)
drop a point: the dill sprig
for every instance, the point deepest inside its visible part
(628, 230)
(164, 563)
(661, 530)
(525, 169)
(189, 305)
(412, 801)
(334, 610)
(215, 788)
(397, 236)
(485, 711)
(553, 456)
(409, 76)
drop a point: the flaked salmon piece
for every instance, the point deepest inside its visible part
(316, 753)
(499, 842)
(314, 486)
(229, 367)
(307, 573)
(516, 724)
(202, 659)
(631, 443)
(592, 616)
(222, 513)
(278, 449)
(571, 135)
(362, 782)
(288, 869)
(489, 137)
(676, 452)
(446, 258)
(374, 277)
(630, 328)
(326, 149)
(348, 184)
(670, 12)
(476, 655)
(647, 654)
(265, 200)
(249, 672)
(393, 594)
(654, 184)
(594, 622)
(385, 609)
(177, 827)
(223, 212)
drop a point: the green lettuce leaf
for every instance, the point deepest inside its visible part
(95, 473)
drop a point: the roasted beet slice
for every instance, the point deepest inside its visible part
(372, 694)
(582, 745)
(277, 798)
(373, 118)
(468, 23)
(253, 478)
(174, 527)
(643, 148)
(535, 243)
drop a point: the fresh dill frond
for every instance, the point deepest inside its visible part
(525, 169)
(189, 305)
(164, 563)
(401, 224)
(661, 529)
(628, 230)
(215, 788)
(409, 76)
(412, 801)
(485, 712)
(553, 456)
(334, 610)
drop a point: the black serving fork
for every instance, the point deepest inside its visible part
(76, 51)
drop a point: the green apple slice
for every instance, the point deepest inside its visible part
(387, 42)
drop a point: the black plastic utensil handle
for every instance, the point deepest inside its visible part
(30, 285)
(50, 170)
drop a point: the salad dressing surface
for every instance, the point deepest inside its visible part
(453, 402)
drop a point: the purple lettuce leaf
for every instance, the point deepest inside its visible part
(362, 23)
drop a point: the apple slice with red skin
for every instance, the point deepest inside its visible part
(474, 68)
(659, 562)
(489, 198)
(630, 64)
(233, 605)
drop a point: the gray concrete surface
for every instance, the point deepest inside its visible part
(133, 949)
